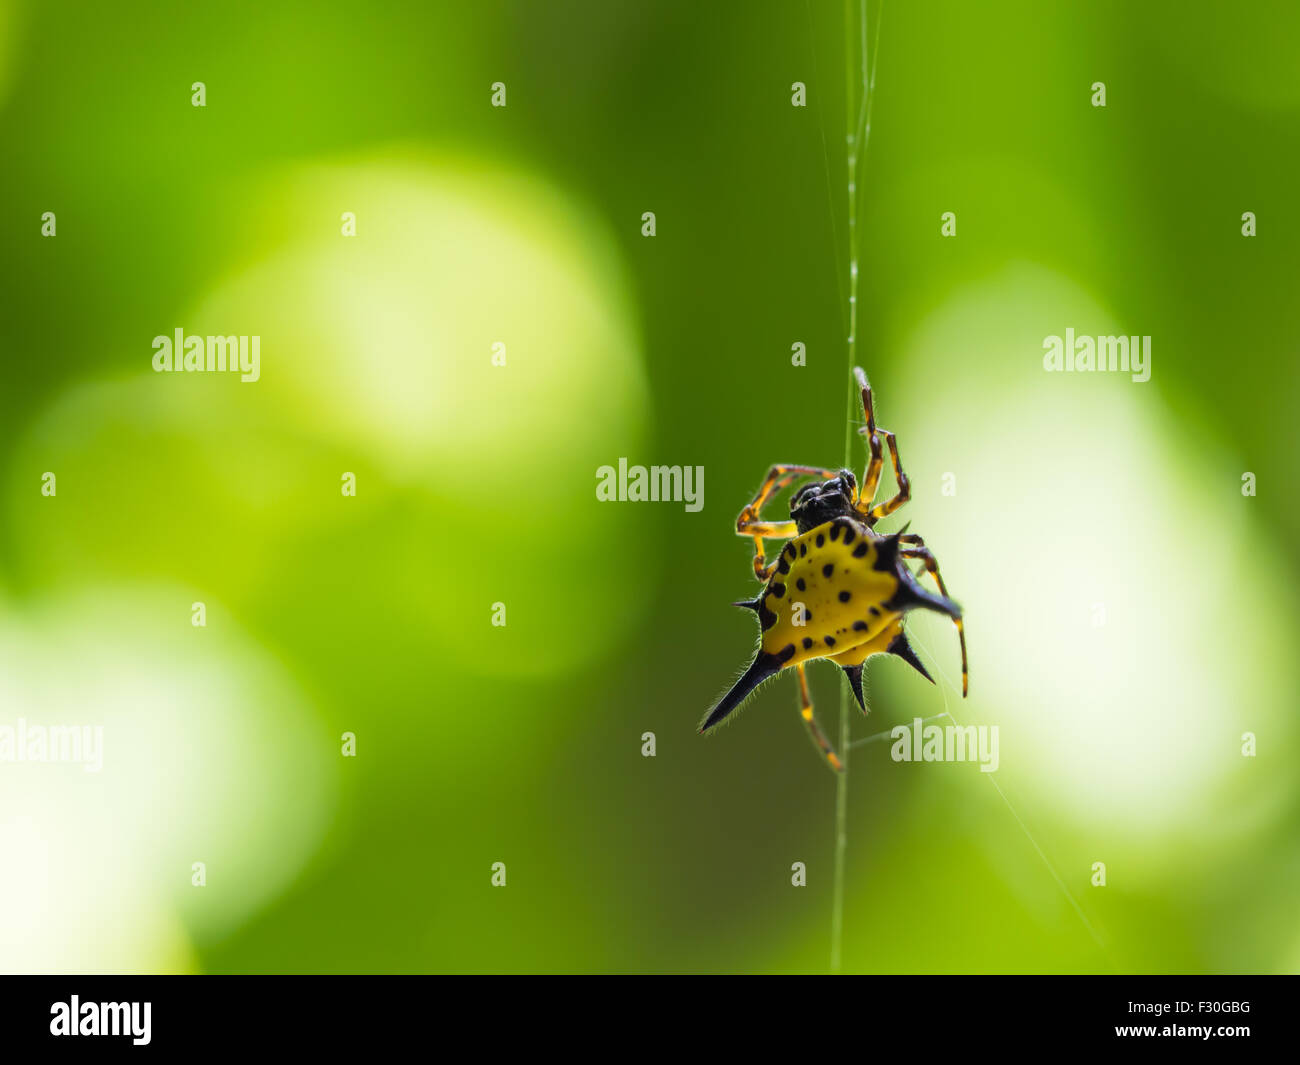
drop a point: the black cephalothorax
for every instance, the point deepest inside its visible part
(818, 502)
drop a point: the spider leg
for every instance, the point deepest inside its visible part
(806, 712)
(871, 477)
(888, 507)
(919, 550)
(876, 461)
(749, 523)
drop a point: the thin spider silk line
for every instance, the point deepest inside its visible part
(857, 140)
(856, 146)
(878, 736)
(826, 169)
(947, 684)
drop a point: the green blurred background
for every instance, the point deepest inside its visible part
(1120, 741)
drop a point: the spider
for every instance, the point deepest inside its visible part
(838, 589)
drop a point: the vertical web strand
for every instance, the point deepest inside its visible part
(857, 136)
(854, 140)
(840, 303)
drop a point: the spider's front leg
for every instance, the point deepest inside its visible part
(881, 510)
(920, 551)
(750, 522)
(876, 461)
(806, 712)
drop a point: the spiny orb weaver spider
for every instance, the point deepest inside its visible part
(839, 589)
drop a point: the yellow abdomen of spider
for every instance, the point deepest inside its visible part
(835, 589)
(838, 589)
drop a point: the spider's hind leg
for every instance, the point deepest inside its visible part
(814, 730)
(918, 550)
